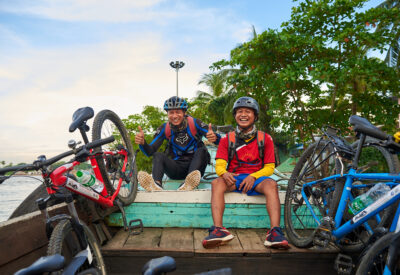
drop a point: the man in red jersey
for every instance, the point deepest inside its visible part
(244, 166)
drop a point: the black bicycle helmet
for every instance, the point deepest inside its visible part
(247, 102)
(175, 103)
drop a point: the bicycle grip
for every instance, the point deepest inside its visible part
(100, 142)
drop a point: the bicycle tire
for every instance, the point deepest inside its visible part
(386, 162)
(64, 241)
(373, 262)
(316, 162)
(107, 123)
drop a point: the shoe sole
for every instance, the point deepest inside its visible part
(147, 182)
(282, 245)
(217, 242)
(191, 181)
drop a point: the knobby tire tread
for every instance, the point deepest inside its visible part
(60, 234)
(367, 263)
(303, 241)
(100, 118)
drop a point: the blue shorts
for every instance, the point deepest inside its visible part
(251, 192)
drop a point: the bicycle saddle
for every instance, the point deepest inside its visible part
(44, 264)
(159, 266)
(362, 125)
(80, 117)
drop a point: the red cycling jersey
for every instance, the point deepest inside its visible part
(249, 159)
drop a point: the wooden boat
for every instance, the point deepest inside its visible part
(174, 224)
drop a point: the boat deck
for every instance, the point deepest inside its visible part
(245, 254)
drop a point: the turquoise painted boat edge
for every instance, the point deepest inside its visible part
(195, 215)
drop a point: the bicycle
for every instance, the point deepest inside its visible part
(114, 166)
(319, 193)
(383, 256)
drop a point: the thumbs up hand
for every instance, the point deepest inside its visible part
(139, 138)
(211, 136)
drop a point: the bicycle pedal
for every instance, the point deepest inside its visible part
(343, 264)
(135, 229)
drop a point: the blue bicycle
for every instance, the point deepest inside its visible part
(327, 178)
(383, 257)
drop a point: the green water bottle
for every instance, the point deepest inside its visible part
(88, 180)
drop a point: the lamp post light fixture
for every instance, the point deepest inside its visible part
(177, 65)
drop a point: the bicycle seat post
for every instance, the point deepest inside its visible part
(83, 133)
(358, 152)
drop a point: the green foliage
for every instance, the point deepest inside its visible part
(150, 119)
(317, 69)
(215, 105)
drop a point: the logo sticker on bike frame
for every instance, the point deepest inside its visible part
(77, 187)
(395, 191)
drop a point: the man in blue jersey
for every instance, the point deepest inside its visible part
(186, 157)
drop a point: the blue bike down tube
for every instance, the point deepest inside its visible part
(363, 216)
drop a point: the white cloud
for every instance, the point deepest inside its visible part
(84, 10)
(122, 76)
(42, 85)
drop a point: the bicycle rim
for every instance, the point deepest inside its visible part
(64, 241)
(374, 261)
(107, 123)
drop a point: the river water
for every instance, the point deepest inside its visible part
(13, 191)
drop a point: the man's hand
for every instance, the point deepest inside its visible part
(139, 138)
(211, 136)
(229, 178)
(247, 184)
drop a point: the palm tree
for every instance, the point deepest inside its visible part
(216, 83)
(392, 56)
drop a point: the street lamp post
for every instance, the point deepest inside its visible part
(177, 65)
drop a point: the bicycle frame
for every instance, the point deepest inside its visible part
(363, 216)
(59, 178)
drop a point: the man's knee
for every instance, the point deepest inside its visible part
(158, 156)
(267, 185)
(218, 184)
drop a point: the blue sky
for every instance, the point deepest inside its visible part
(59, 55)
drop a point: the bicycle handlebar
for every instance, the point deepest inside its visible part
(39, 164)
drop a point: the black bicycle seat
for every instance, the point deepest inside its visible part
(44, 264)
(80, 117)
(362, 125)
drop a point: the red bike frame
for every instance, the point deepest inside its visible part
(59, 178)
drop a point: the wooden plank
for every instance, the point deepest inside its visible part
(30, 232)
(252, 243)
(117, 242)
(198, 237)
(23, 261)
(149, 238)
(124, 264)
(177, 239)
(234, 247)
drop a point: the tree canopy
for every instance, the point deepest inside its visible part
(317, 70)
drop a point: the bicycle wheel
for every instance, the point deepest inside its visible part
(373, 159)
(373, 262)
(64, 241)
(107, 123)
(318, 161)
